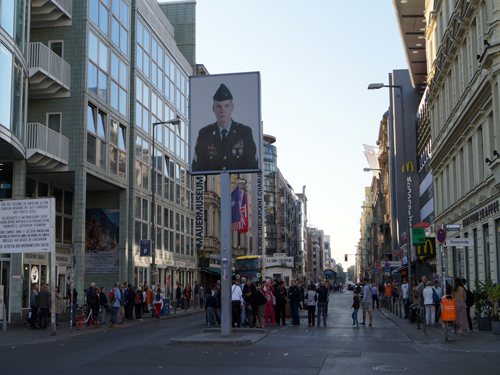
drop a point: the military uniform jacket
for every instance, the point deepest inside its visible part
(238, 152)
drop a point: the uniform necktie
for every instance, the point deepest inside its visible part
(224, 138)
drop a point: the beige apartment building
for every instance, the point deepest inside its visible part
(463, 50)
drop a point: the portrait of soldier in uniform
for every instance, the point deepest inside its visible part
(224, 144)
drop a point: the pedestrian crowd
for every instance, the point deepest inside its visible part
(257, 305)
(423, 297)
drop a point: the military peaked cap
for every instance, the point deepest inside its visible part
(223, 93)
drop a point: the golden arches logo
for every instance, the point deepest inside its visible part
(407, 167)
(428, 249)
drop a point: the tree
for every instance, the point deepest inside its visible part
(341, 273)
(93, 235)
(350, 273)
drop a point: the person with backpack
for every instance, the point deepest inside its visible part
(158, 299)
(311, 299)
(210, 308)
(138, 299)
(114, 301)
(469, 302)
(261, 309)
(439, 292)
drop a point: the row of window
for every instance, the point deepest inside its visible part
(100, 129)
(174, 231)
(101, 14)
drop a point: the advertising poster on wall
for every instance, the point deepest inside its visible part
(225, 132)
(101, 240)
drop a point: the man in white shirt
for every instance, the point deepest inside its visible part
(236, 304)
(403, 295)
(367, 301)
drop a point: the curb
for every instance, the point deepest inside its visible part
(85, 332)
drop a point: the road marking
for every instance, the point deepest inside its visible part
(283, 328)
(236, 353)
(274, 331)
(284, 355)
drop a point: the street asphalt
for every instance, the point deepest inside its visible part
(142, 348)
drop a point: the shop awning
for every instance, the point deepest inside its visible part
(214, 270)
(401, 269)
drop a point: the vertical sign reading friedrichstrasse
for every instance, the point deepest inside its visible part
(26, 225)
(200, 211)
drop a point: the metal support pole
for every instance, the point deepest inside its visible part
(226, 256)
(153, 214)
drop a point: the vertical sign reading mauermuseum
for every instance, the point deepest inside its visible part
(27, 225)
(200, 211)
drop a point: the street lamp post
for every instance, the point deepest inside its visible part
(175, 121)
(376, 86)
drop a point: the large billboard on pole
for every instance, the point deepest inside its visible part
(225, 129)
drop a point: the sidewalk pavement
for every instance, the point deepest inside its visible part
(18, 334)
(435, 338)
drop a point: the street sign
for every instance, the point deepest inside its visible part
(375, 271)
(386, 259)
(441, 236)
(418, 236)
(452, 227)
(146, 247)
(459, 242)
(395, 263)
(377, 264)
(387, 273)
(387, 267)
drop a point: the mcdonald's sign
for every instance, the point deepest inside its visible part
(407, 167)
(428, 250)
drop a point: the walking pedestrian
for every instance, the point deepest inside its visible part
(120, 318)
(44, 305)
(439, 293)
(196, 295)
(281, 300)
(58, 305)
(236, 304)
(75, 301)
(323, 295)
(248, 318)
(138, 299)
(178, 294)
(126, 307)
(355, 307)
(158, 302)
(311, 299)
(103, 300)
(261, 309)
(243, 309)
(293, 296)
(375, 294)
(460, 307)
(131, 301)
(115, 298)
(403, 295)
(271, 302)
(468, 303)
(210, 307)
(33, 305)
(430, 308)
(367, 301)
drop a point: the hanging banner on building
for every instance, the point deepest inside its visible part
(27, 225)
(371, 155)
(225, 129)
(101, 240)
(200, 212)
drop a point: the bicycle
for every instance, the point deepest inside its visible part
(90, 320)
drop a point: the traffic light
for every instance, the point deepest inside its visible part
(346, 257)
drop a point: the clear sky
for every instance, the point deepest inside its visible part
(316, 59)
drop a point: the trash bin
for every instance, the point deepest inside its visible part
(388, 290)
(447, 309)
(165, 310)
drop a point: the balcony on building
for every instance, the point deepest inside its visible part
(50, 13)
(46, 149)
(49, 74)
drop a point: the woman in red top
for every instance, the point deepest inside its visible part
(268, 291)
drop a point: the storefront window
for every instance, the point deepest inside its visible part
(486, 244)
